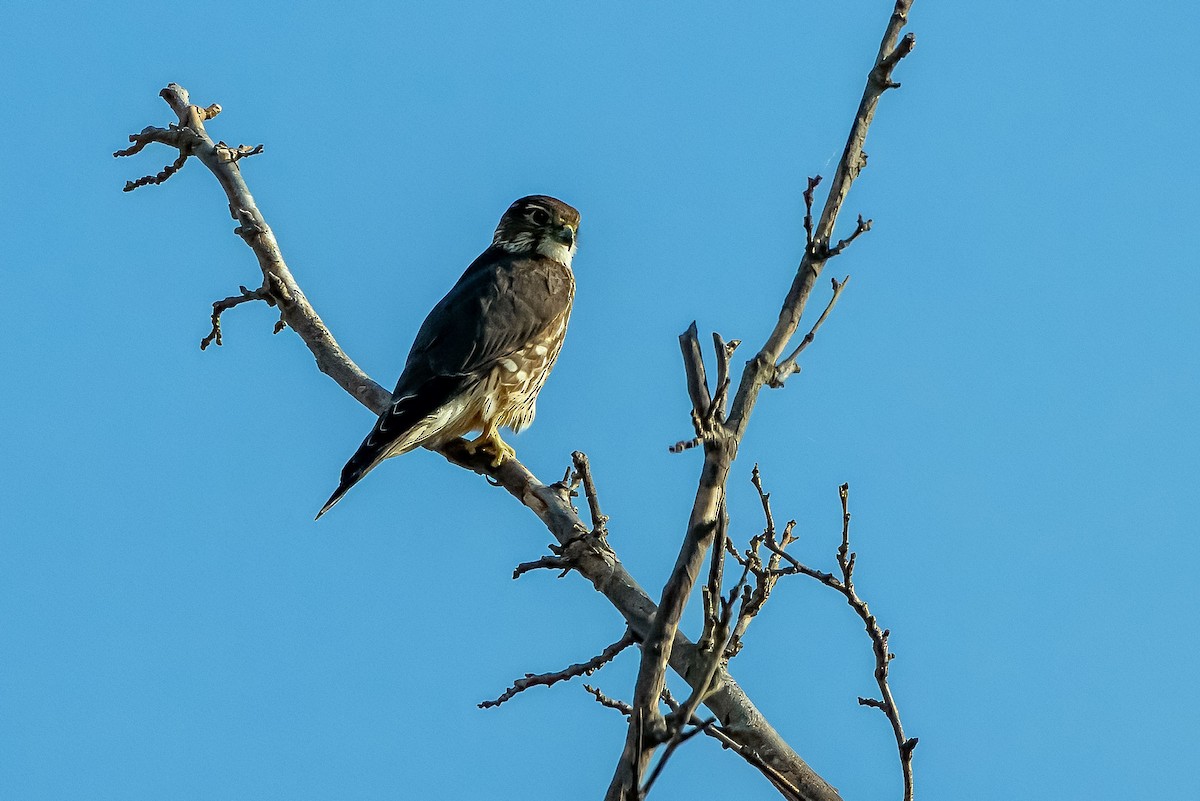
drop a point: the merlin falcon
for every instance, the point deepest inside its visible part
(484, 352)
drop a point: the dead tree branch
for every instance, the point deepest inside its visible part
(612, 703)
(221, 306)
(748, 731)
(879, 642)
(583, 469)
(549, 679)
(720, 437)
(761, 369)
(765, 575)
(191, 138)
(788, 366)
(879, 636)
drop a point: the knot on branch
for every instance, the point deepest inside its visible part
(250, 225)
(582, 543)
(566, 557)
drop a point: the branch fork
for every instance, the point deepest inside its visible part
(708, 410)
(718, 429)
(788, 366)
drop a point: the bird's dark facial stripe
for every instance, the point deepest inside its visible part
(539, 223)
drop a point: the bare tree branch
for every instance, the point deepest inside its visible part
(765, 575)
(549, 679)
(693, 368)
(788, 365)
(552, 562)
(720, 439)
(192, 139)
(879, 636)
(612, 703)
(879, 643)
(221, 306)
(748, 731)
(761, 369)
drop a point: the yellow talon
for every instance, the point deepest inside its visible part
(490, 439)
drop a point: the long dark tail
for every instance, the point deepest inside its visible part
(407, 410)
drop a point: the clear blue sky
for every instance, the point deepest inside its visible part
(1009, 386)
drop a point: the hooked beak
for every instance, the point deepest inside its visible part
(566, 235)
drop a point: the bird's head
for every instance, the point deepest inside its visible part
(539, 224)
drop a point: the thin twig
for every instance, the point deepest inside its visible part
(612, 703)
(788, 366)
(544, 563)
(228, 303)
(765, 575)
(846, 560)
(860, 229)
(723, 350)
(549, 679)
(158, 178)
(879, 642)
(813, 182)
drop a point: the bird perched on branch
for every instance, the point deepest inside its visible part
(483, 353)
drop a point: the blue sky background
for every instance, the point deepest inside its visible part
(1008, 384)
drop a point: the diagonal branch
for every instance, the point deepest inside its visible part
(749, 732)
(549, 679)
(761, 368)
(295, 311)
(788, 365)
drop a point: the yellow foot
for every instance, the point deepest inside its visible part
(490, 440)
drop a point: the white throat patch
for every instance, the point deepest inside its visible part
(553, 249)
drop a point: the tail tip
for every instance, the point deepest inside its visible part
(333, 499)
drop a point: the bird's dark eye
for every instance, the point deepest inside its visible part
(540, 216)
